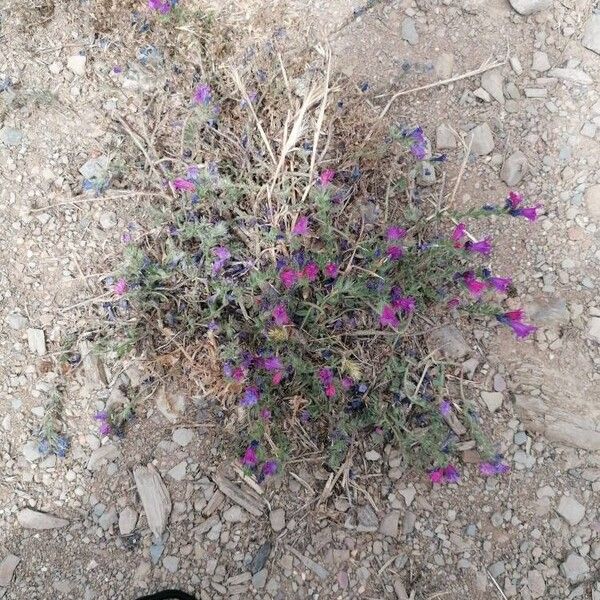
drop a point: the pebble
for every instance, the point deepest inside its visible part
(31, 451)
(444, 65)
(7, 568)
(483, 140)
(10, 136)
(575, 568)
(183, 436)
(127, 520)
(95, 168)
(234, 514)
(259, 580)
(444, 138)
(591, 35)
(593, 331)
(528, 7)
(493, 400)
(108, 219)
(572, 75)
(16, 321)
(178, 471)
(372, 455)
(515, 64)
(520, 438)
(536, 583)
(499, 383)
(277, 519)
(367, 519)
(536, 92)
(493, 82)
(571, 510)
(592, 201)
(36, 339)
(76, 64)
(514, 168)
(32, 519)
(171, 563)
(389, 524)
(540, 62)
(409, 31)
(155, 497)
(449, 341)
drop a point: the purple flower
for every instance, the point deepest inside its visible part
(183, 185)
(482, 247)
(436, 476)
(514, 199)
(265, 415)
(162, 6)
(459, 233)
(120, 288)
(288, 277)
(489, 469)
(104, 428)
(445, 408)
(223, 255)
(395, 252)
(530, 212)
(418, 143)
(502, 284)
(326, 177)
(310, 271)
(325, 376)
(395, 233)
(280, 315)
(451, 474)
(273, 363)
(514, 320)
(388, 317)
(404, 303)
(269, 468)
(331, 270)
(250, 397)
(301, 227)
(249, 458)
(347, 383)
(193, 172)
(202, 94)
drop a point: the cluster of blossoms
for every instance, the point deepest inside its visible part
(251, 460)
(53, 444)
(162, 6)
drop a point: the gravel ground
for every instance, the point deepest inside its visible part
(100, 524)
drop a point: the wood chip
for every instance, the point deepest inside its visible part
(309, 563)
(248, 500)
(154, 496)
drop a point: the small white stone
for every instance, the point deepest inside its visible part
(76, 64)
(37, 341)
(183, 436)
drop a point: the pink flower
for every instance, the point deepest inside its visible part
(514, 199)
(301, 227)
(395, 233)
(104, 428)
(515, 315)
(311, 271)
(330, 390)
(502, 284)
(265, 414)
(280, 315)
(453, 303)
(395, 252)
(482, 247)
(436, 476)
(277, 378)
(161, 6)
(288, 277)
(388, 317)
(331, 270)
(326, 177)
(183, 185)
(250, 459)
(487, 469)
(458, 234)
(120, 288)
(475, 286)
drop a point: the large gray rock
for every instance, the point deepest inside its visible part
(444, 138)
(483, 140)
(528, 7)
(154, 496)
(572, 75)
(103, 455)
(127, 520)
(409, 31)
(591, 36)
(32, 519)
(575, 568)
(514, 168)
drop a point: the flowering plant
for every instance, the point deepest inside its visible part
(310, 298)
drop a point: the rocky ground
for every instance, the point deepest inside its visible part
(162, 507)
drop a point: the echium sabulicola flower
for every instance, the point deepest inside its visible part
(514, 319)
(481, 247)
(418, 142)
(202, 94)
(448, 474)
(512, 206)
